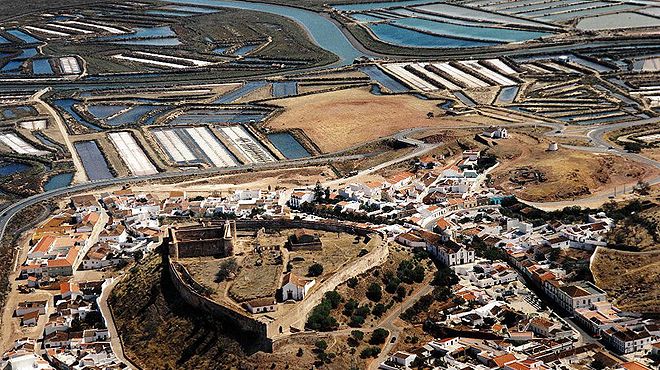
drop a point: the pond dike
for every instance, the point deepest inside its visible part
(264, 331)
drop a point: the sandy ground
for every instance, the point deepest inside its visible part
(340, 119)
(569, 173)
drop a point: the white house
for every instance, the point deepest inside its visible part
(495, 133)
(451, 253)
(261, 305)
(299, 197)
(294, 287)
(403, 358)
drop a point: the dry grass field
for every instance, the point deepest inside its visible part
(632, 279)
(258, 277)
(569, 174)
(341, 119)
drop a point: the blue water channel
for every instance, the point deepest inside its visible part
(167, 41)
(288, 145)
(105, 111)
(131, 116)
(4, 40)
(67, 105)
(325, 33)
(58, 181)
(92, 160)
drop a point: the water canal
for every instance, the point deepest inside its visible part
(326, 34)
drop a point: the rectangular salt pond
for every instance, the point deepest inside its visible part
(244, 50)
(476, 14)
(617, 21)
(379, 5)
(411, 38)
(131, 153)
(105, 111)
(476, 33)
(24, 37)
(384, 79)
(11, 66)
(191, 9)
(167, 41)
(219, 116)
(507, 95)
(4, 40)
(288, 145)
(92, 160)
(27, 54)
(285, 88)
(41, 67)
(241, 91)
(143, 33)
(58, 181)
(131, 116)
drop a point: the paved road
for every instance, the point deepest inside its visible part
(402, 136)
(9, 212)
(80, 174)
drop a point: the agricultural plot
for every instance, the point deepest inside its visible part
(19, 145)
(247, 144)
(131, 153)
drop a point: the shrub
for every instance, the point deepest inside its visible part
(352, 282)
(357, 335)
(315, 269)
(320, 318)
(227, 268)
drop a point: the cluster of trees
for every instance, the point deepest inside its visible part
(321, 316)
(442, 281)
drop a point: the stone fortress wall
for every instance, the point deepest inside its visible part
(266, 330)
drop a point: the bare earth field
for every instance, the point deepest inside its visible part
(633, 279)
(569, 174)
(341, 119)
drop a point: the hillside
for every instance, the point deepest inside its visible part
(160, 331)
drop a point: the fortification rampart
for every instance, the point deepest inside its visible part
(268, 329)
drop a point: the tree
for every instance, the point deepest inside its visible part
(374, 292)
(370, 352)
(401, 292)
(227, 268)
(379, 310)
(321, 345)
(320, 318)
(315, 269)
(358, 335)
(356, 321)
(352, 282)
(319, 193)
(379, 336)
(334, 298)
(445, 276)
